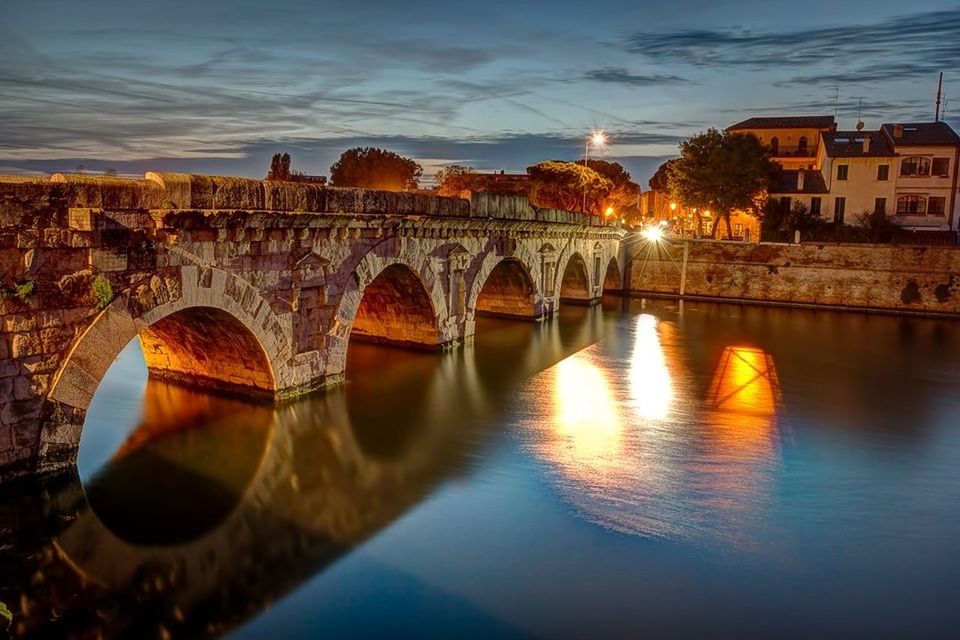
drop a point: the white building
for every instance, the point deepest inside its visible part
(907, 171)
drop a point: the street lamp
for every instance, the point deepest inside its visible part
(599, 140)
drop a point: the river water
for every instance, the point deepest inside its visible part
(640, 468)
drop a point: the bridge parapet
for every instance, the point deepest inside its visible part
(182, 191)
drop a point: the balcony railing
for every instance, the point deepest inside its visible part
(793, 152)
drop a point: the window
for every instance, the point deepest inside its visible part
(839, 208)
(880, 205)
(937, 206)
(802, 146)
(774, 146)
(915, 166)
(596, 270)
(738, 230)
(815, 204)
(883, 172)
(911, 205)
(842, 170)
(941, 167)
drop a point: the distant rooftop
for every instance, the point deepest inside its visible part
(849, 144)
(921, 134)
(785, 122)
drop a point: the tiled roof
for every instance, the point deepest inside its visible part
(922, 134)
(785, 122)
(849, 144)
(787, 183)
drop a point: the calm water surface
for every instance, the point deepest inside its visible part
(636, 469)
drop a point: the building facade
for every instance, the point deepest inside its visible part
(908, 172)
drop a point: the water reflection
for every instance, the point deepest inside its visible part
(190, 448)
(659, 452)
(212, 508)
(588, 428)
(629, 472)
(650, 384)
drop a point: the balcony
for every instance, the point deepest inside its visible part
(793, 152)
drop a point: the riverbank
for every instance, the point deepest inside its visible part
(890, 279)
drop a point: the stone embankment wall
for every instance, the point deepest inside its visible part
(889, 278)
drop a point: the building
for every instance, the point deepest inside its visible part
(906, 171)
(794, 141)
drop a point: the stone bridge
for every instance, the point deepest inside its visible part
(253, 286)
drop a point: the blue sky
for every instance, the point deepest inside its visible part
(218, 87)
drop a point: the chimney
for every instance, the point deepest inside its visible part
(898, 131)
(866, 144)
(800, 178)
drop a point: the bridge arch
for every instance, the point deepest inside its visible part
(613, 278)
(201, 335)
(388, 300)
(505, 286)
(575, 280)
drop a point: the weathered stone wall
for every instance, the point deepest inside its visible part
(902, 279)
(281, 269)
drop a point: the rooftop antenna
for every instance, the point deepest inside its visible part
(860, 124)
(936, 117)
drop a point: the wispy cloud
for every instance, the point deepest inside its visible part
(620, 75)
(913, 44)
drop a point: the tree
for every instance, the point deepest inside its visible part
(625, 193)
(375, 168)
(722, 173)
(659, 180)
(279, 167)
(565, 185)
(455, 179)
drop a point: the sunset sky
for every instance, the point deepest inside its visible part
(217, 88)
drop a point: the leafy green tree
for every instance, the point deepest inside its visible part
(722, 172)
(565, 185)
(374, 168)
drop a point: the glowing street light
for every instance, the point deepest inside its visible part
(609, 211)
(673, 206)
(653, 233)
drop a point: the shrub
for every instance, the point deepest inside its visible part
(25, 290)
(102, 292)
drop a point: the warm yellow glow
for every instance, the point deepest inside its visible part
(586, 418)
(673, 206)
(598, 139)
(652, 233)
(609, 211)
(745, 383)
(651, 387)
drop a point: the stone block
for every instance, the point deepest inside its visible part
(107, 260)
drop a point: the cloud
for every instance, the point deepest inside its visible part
(619, 75)
(917, 43)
